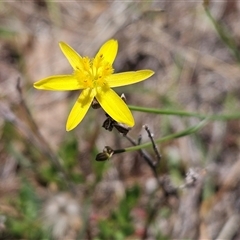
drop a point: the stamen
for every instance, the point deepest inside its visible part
(94, 72)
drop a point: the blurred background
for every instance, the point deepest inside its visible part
(51, 187)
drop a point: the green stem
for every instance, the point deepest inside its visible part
(224, 35)
(223, 117)
(183, 133)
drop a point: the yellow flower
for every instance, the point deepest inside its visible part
(95, 76)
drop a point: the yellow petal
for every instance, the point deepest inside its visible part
(80, 108)
(72, 56)
(114, 106)
(58, 82)
(127, 78)
(108, 50)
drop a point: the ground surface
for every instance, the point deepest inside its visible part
(50, 183)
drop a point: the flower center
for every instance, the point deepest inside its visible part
(93, 72)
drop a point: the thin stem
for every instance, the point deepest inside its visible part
(225, 35)
(143, 154)
(150, 135)
(185, 132)
(222, 117)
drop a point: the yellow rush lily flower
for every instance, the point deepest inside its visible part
(96, 78)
